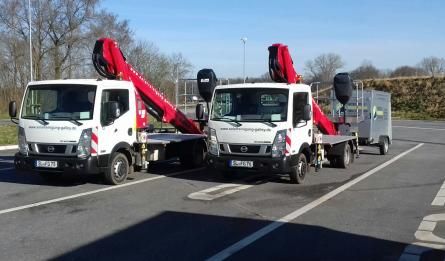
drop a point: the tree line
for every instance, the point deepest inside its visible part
(63, 37)
(324, 67)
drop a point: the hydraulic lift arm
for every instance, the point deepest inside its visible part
(281, 69)
(111, 64)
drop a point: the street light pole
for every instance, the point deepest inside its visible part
(30, 42)
(244, 39)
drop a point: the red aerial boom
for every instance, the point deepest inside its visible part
(111, 63)
(281, 69)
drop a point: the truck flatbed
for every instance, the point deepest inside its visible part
(167, 138)
(336, 139)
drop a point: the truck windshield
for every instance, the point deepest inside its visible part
(59, 102)
(250, 104)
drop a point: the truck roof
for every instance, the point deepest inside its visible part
(302, 87)
(83, 81)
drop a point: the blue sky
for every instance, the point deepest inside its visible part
(387, 33)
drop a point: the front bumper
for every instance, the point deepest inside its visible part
(260, 164)
(65, 164)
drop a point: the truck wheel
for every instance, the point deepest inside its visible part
(195, 158)
(298, 173)
(118, 171)
(384, 146)
(344, 160)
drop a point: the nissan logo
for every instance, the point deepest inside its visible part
(50, 149)
(244, 149)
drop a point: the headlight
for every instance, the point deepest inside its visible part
(213, 142)
(23, 145)
(84, 145)
(279, 144)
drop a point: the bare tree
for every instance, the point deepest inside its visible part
(365, 71)
(324, 67)
(433, 65)
(407, 71)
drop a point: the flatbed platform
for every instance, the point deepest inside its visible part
(166, 138)
(335, 139)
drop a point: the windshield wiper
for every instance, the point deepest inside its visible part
(70, 119)
(38, 119)
(227, 120)
(268, 122)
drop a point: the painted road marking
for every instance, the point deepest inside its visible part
(9, 147)
(209, 194)
(46, 202)
(425, 231)
(288, 218)
(6, 169)
(417, 128)
(439, 200)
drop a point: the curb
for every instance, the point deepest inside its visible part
(9, 147)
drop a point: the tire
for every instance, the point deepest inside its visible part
(344, 160)
(384, 146)
(118, 171)
(194, 159)
(298, 172)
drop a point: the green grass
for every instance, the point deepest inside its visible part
(8, 135)
(4, 115)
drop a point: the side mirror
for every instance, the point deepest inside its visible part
(199, 111)
(307, 113)
(12, 109)
(112, 109)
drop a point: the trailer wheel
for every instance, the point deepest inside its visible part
(384, 146)
(298, 172)
(344, 160)
(119, 169)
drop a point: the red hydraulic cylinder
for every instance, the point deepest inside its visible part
(110, 62)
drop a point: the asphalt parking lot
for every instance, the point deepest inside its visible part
(382, 208)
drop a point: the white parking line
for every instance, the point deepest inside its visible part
(208, 194)
(288, 218)
(418, 128)
(9, 147)
(46, 202)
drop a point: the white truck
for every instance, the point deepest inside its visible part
(268, 127)
(100, 126)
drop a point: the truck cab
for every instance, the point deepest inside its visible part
(262, 127)
(76, 125)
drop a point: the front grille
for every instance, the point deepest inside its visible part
(49, 148)
(242, 148)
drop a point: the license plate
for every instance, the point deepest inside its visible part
(46, 164)
(241, 163)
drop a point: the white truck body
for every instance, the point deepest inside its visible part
(268, 127)
(67, 126)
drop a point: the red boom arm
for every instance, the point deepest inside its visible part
(282, 70)
(110, 63)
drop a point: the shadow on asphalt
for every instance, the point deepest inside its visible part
(188, 236)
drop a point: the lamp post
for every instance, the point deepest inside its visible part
(244, 40)
(30, 43)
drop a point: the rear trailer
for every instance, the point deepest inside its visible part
(369, 113)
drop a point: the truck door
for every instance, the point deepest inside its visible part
(302, 130)
(119, 130)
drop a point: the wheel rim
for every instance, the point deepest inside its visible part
(119, 169)
(347, 157)
(301, 169)
(385, 146)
